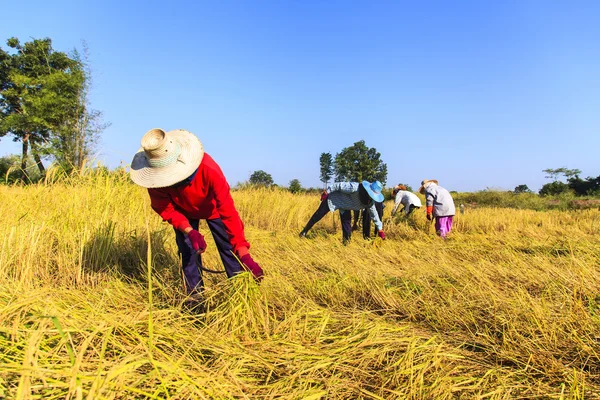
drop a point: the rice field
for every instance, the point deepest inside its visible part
(91, 303)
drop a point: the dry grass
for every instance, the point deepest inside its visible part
(508, 307)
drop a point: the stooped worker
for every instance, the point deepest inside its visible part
(348, 197)
(439, 205)
(186, 185)
(409, 200)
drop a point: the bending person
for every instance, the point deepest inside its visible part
(185, 186)
(347, 197)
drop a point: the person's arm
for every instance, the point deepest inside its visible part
(397, 203)
(429, 204)
(161, 203)
(375, 217)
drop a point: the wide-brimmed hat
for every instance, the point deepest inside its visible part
(374, 190)
(166, 158)
(422, 188)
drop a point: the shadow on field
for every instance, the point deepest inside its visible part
(126, 254)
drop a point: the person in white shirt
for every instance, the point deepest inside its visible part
(409, 200)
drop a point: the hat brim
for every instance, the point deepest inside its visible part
(378, 197)
(192, 152)
(422, 188)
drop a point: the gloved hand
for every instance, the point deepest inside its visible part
(324, 195)
(252, 266)
(197, 240)
(429, 217)
(381, 234)
(429, 213)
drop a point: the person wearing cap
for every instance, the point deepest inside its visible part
(439, 205)
(409, 200)
(185, 186)
(348, 197)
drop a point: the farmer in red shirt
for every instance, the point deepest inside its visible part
(187, 185)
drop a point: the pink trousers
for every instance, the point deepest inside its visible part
(443, 225)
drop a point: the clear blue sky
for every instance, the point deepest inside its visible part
(475, 94)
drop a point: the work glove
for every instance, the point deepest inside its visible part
(324, 196)
(381, 234)
(252, 266)
(429, 213)
(197, 241)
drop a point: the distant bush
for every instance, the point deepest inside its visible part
(554, 188)
(530, 201)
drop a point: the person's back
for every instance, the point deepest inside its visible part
(443, 203)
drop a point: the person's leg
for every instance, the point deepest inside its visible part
(346, 217)
(366, 224)
(230, 261)
(191, 273)
(356, 215)
(316, 217)
(449, 223)
(441, 226)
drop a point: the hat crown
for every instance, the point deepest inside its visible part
(160, 149)
(376, 187)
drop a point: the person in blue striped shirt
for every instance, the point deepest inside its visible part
(347, 197)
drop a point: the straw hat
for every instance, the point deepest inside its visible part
(166, 158)
(398, 188)
(374, 190)
(422, 188)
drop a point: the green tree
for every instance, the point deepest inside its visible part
(554, 188)
(522, 189)
(73, 143)
(554, 173)
(261, 178)
(326, 162)
(295, 186)
(359, 162)
(39, 93)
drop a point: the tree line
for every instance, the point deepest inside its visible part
(44, 105)
(355, 163)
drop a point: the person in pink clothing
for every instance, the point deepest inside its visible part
(440, 206)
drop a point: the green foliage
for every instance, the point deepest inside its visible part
(261, 178)
(73, 142)
(522, 189)
(359, 162)
(295, 186)
(585, 187)
(40, 92)
(10, 169)
(326, 162)
(554, 188)
(554, 173)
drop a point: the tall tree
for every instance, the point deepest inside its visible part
(39, 92)
(360, 163)
(74, 142)
(554, 173)
(326, 161)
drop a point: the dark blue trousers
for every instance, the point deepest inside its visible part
(345, 216)
(191, 272)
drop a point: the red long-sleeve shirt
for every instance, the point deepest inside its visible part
(206, 197)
